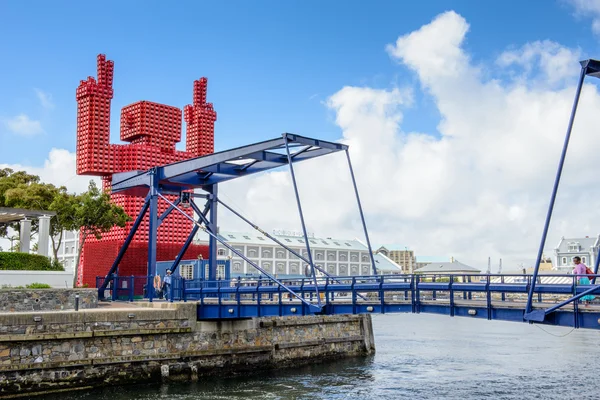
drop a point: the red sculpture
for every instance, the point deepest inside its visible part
(152, 131)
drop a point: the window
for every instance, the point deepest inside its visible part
(319, 256)
(336, 243)
(280, 254)
(365, 257)
(221, 252)
(252, 252)
(574, 246)
(564, 261)
(348, 244)
(288, 240)
(187, 271)
(313, 242)
(247, 237)
(301, 241)
(231, 236)
(354, 257)
(260, 238)
(324, 242)
(583, 260)
(266, 253)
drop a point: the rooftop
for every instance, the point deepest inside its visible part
(447, 267)
(8, 215)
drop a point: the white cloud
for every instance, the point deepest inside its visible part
(23, 125)
(480, 186)
(58, 169)
(44, 98)
(477, 187)
(588, 8)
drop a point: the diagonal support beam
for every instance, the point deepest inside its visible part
(123, 249)
(311, 306)
(167, 212)
(561, 163)
(190, 238)
(299, 203)
(273, 238)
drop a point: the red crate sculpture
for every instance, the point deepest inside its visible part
(152, 131)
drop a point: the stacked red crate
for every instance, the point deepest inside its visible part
(153, 130)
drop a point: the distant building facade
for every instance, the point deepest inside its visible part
(67, 252)
(404, 257)
(336, 256)
(586, 248)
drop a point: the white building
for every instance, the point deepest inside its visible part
(336, 256)
(67, 252)
(567, 248)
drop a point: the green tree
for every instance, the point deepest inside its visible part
(65, 205)
(9, 179)
(94, 215)
(30, 194)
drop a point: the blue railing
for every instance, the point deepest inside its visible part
(484, 296)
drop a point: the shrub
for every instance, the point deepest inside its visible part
(27, 262)
(36, 285)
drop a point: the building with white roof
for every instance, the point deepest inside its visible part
(336, 256)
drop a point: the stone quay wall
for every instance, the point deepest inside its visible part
(58, 351)
(18, 300)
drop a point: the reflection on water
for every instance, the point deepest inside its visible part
(421, 357)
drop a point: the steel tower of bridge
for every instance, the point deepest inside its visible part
(152, 130)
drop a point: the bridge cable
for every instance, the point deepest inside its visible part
(552, 334)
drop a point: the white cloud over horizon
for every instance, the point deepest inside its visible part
(23, 125)
(476, 187)
(59, 170)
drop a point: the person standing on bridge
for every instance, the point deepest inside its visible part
(580, 272)
(167, 285)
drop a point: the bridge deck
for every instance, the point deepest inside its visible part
(486, 297)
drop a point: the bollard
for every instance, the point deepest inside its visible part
(76, 302)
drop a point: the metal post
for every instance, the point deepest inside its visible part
(596, 255)
(189, 239)
(312, 268)
(554, 192)
(271, 237)
(212, 227)
(362, 216)
(242, 256)
(123, 249)
(152, 233)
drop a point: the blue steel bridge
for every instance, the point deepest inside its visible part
(534, 298)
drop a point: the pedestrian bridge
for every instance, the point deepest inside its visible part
(491, 297)
(524, 298)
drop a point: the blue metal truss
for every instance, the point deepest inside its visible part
(206, 173)
(588, 68)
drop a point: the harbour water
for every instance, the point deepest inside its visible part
(418, 357)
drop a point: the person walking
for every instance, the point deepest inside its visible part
(582, 279)
(167, 285)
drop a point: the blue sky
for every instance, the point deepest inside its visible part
(270, 64)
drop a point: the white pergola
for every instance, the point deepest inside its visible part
(24, 217)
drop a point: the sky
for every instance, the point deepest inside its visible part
(455, 111)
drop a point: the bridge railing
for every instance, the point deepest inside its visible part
(381, 289)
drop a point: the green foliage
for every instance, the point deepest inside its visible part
(95, 214)
(27, 262)
(37, 285)
(10, 180)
